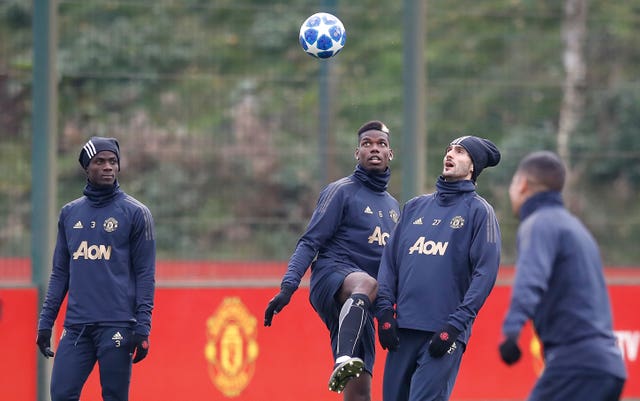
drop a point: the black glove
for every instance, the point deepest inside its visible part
(442, 341)
(388, 331)
(140, 347)
(509, 351)
(276, 304)
(44, 343)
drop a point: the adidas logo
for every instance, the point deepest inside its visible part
(78, 225)
(368, 210)
(117, 336)
(418, 221)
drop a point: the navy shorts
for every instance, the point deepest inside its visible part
(325, 285)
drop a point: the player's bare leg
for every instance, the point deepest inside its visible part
(358, 389)
(358, 283)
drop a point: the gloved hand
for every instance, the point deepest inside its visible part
(44, 343)
(140, 347)
(276, 304)
(509, 351)
(443, 340)
(388, 331)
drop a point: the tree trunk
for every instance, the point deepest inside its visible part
(574, 30)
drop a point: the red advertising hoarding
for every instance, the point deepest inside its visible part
(18, 320)
(209, 343)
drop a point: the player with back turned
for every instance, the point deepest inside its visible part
(343, 243)
(559, 285)
(104, 263)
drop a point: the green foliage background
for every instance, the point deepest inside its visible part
(216, 108)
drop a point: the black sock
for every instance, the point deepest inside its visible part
(353, 317)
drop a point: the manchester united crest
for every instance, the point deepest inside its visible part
(110, 225)
(457, 222)
(232, 348)
(394, 215)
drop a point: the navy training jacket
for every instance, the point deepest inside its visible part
(442, 260)
(560, 285)
(104, 260)
(350, 225)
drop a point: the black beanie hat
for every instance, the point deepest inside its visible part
(96, 145)
(373, 125)
(482, 151)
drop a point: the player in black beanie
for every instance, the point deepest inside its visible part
(436, 272)
(104, 267)
(482, 151)
(96, 145)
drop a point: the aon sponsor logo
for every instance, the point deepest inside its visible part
(424, 247)
(378, 237)
(92, 252)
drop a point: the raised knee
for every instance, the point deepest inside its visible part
(371, 286)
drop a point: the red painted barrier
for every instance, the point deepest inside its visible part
(208, 343)
(18, 320)
(484, 377)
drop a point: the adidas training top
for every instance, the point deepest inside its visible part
(560, 285)
(350, 225)
(104, 260)
(442, 260)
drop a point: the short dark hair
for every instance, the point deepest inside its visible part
(544, 168)
(373, 125)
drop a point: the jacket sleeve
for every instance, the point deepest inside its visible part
(485, 260)
(143, 263)
(536, 250)
(58, 280)
(324, 222)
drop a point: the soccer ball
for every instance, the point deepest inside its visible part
(322, 35)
